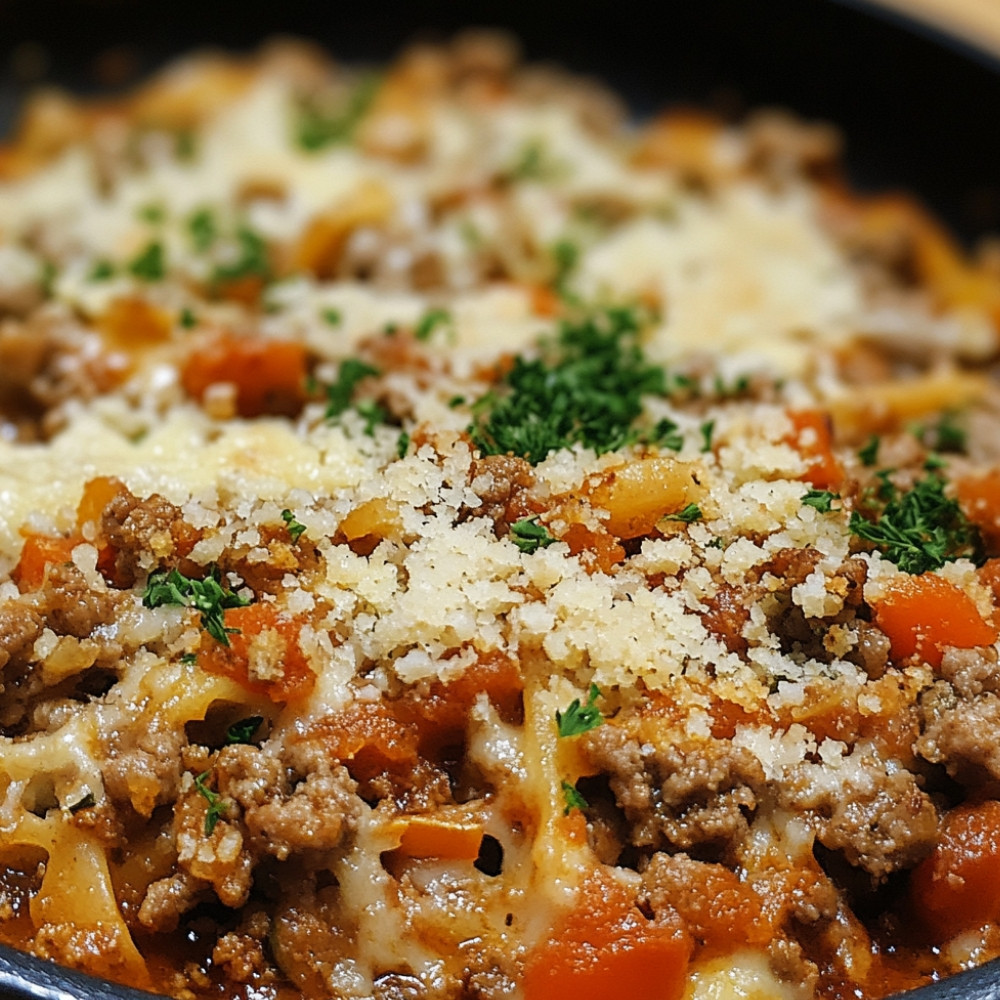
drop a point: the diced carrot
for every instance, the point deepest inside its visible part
(97, 494)
(40, 552)
(544, 301)
(923, 614)
(269, 375)
(600, 549)
(812, 437)
(605, 947)
(436, 836)
(134, 323)
(957, 887)
(369, 738)
(268, 635)
(979, 497)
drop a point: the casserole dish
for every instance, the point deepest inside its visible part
(969, 225)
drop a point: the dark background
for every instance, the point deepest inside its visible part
(920, 113)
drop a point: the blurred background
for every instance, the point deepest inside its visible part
(919, 105)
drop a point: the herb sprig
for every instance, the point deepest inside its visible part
(529, 536)
(217, 807)
(206, 596)
(920, 529)
(586, 388)
(580, 718)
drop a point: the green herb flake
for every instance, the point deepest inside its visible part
(455, 402)
(430, 321)
(573, 799)
(402, 445)
(153, 213)
(946, 435)
(316, 127)
(188, 320)
(586, 389)
(87, 801)
(534, 162)
(217, 807)
(529, 536)
(103, 270)
(565, 256)
(666, 435)
(372, 414)
(243, 730)
(821, 500)
(707, 431)
(869, 453)
(691, 513)
(578, 719)
(203, 229)
(921, 529)
(251, 260)
(189, 659)
(295, 528)
(331, 317)
(340, 393)
(206, 596)
(150, 265)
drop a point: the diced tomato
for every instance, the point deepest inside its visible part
(40, 552)
(268, 634)
(812, 437)
(269, 375)
(605, 947)
(957, 887)
(923, 614)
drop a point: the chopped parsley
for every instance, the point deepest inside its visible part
(921, 529)
(150, 265)
(251, 259)
(565, 256)
(821, 500)
(189, 659)
(372, 414)
(203, 229)
(295, 528)
(217, 807)
(339, 393)
(102, 270)
(573, 799)
(586, 388)
(739, 386)
(243, 730)
(403, 444)
(534, 162)
(529, 536)
(188, 320)
(692, 512)
(430, 321)
(666, 435)
(316, 128)
(946, 435)
(869, 454)
(579, 718)
(206, 596)
(707, 431)
(331, 317)
(153, 213)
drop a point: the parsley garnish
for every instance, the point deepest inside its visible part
(692, 512)
(821, 500)
(243, 730)
(202, 229)
(921, 529)
(945, 435)
(430, 321)
(217, 808)
(529, 536)
(573, 799)
(666, 435)
(587, 389)
(338, 395)
(565, 255)
(331, 316)
(869, 454)
(101, 271)
(251, 260)
(315, 128)
(403, 444)
(189, 659)
(738, 387)
(534, 163)
(372, 414)
(295, 528)
(707, 430)
(149, 265)
(188, 320)
(579, 718)
(207, 596)
(152, 213)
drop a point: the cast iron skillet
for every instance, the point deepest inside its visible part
(919, 110)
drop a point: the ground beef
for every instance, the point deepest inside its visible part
(144, 764)
(168, 899)
(695, 797)
(291, 799)
(877, 815)
(141, 532)
(501, 482)
(971, 671)
(727, 614)
(20, 626)
(73, 607)
(956, 733)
